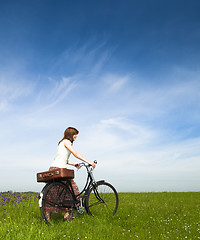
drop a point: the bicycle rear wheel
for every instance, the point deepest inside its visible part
(102, 200)
(55, 198)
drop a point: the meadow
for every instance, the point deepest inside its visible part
(164, 215)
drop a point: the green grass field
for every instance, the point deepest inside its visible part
(139, 216)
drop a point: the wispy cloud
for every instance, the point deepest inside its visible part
(158, 100)
(12, 91)
(87, 59)
(130, 133)
(117, 136)
(115, 82)
(55, 92)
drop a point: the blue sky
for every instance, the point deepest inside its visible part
(125, 73)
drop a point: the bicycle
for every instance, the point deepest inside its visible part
(97, 197)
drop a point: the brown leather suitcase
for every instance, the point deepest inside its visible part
(57, 174)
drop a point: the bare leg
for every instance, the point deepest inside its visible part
(47, 215)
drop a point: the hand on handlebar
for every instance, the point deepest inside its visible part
(78, 165)
(93, 164)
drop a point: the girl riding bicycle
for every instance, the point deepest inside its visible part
(64, 150)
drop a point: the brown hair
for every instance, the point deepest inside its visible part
(69, 133)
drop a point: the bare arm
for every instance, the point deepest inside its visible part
(68, 145)
(78, 166)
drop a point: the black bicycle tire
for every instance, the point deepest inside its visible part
(88, 194)
(45, 191)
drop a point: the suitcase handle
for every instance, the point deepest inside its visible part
(48, 175)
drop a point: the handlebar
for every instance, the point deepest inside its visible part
(86, 165)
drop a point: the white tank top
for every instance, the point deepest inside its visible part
(62, 156)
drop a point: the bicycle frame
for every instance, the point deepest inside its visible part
(89, 182)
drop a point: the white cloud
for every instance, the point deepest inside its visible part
(4, 106)
(12, 91)
(160, 168)
(115, 82)
(59, 90)
(50, 95)
(115, 137)
(128, 130)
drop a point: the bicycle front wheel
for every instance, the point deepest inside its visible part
(102, 199)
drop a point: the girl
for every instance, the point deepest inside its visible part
(64, 150)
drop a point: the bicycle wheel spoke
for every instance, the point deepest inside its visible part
(50, 194)
(58, 194)
(94, 204)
